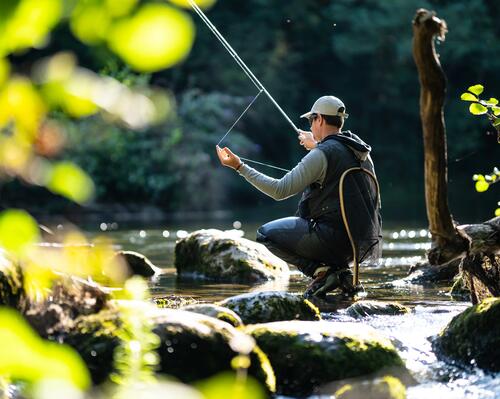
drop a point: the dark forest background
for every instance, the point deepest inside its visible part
(358, 50)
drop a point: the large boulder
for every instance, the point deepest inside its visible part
(472, 337)
(192, 346)
(376, 308)
(223, 256)
(264, 307)
(306, 355)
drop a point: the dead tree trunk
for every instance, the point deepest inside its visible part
(477, 245)
(426, 27)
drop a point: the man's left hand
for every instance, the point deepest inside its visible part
(227, 158)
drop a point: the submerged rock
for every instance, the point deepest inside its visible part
(426, 274)
(223, 256)
(306, 355)
(263, 307)
(219, 312)
(192, 346)
(376, 308)
(138, 264)
(472, 337)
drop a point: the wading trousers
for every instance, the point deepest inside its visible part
(306, 244)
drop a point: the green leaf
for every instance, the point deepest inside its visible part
(496, 110)
(476, 89)
(496, 122)
(156, 37)
(468, 97)
(497, 212)
(477, 109)
(482, 186)
(226, 385)
(70, 181)
(25, 356)
(18, 231)
(492, 101)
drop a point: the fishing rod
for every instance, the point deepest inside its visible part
(239, 61)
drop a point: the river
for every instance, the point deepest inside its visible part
(432, 307)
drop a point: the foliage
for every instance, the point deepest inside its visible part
(28, 358)
(491, 109)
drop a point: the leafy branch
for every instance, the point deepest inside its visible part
(491, 109)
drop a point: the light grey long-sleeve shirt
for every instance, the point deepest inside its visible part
(312, 168)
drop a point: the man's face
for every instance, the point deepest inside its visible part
(314, 121)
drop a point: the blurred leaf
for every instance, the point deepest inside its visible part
(28, 24)
(18, 231)
(29, 358)
(14, 155)
(476, 89)
(496, 110)
(70, 181)
(478, 109)
(496, 122)
(227, 385)
(200, 3)
(497, 212)
(468, 97)
(90, 22)
(21, 103)
(482, 186)
(120, 8)
(4, 71)
(157, 37)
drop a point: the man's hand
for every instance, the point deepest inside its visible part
(227, 158)
(307, 140)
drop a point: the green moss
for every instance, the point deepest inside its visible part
(472, 336)
(322, 357)
(387, 387)
(372, 308)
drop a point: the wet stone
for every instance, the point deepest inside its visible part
(376, 308)
(219, 312)
(223, 256)
(269, 306)
(307, 355)
(472, 337)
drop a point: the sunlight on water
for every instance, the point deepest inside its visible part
(403, 248)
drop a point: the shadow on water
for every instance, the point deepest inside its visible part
(432, 307)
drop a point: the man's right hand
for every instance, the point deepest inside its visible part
(307, 140)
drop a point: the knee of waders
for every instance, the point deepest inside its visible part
(261, 235)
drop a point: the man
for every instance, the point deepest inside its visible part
(316, 240)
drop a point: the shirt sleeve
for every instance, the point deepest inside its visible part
(311, 169)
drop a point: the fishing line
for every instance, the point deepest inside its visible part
(247, 72)
(239, 61)
(243, 113)
(265, 164)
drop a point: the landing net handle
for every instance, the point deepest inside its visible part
(355, 277)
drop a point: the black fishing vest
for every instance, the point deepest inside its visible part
(322, 202)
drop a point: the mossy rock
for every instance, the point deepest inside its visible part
(306, 355)
(193, 346)
(376, 308)
(387, 387)
(222, 256)
(269, 306)
(472, 337)
(219, 312)
(11, 282)
(138, 264)
(172, 301)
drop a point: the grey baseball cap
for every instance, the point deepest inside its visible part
(327, 105)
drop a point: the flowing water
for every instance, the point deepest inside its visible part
(432, 307)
